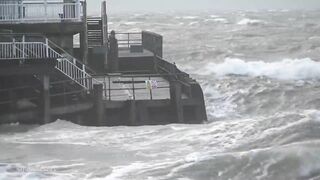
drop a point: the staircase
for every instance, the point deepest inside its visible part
(94, 32)
(45, 49)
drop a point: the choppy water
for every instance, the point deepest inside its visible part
(261, 77)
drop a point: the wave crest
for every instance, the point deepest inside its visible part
(247, 21)
(287, 69)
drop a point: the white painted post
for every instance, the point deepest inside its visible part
(47, 48)
(83, 68)
(85, 81)
(23, 46)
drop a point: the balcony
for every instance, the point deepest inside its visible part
(40, 11)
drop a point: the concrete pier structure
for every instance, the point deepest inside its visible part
(44, 76)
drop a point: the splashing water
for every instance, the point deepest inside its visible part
(260, 75)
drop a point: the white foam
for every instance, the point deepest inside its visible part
(219, 20)
(214, 16)
(190, 17)
(247, 21)
(193, 23)
(131, 23)
(287, 69)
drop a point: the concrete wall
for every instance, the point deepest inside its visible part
(152, 42)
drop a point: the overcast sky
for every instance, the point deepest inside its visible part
(167, 5)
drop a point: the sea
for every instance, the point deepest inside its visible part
(260, 73)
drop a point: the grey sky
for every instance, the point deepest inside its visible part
(167, 5)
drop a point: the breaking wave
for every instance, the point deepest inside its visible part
(264, 118)
(247, 21)
(287, 69)
(218, 20)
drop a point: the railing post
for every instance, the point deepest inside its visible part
(150, 90)
(133, 90)
(46, 10)
(23, 46)
(109, 88)
(47, 48)
(105, 86)
(14, 48)
(78, 17)
(22, 11)
(83, 75)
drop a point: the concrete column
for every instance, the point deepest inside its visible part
(104, 23)
(143, 114)
(98, 104)
(175, 96)
(84, 35)
(46, 99)
(133, 114)
(200, 109)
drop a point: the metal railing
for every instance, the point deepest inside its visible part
(125, 40)
(70, 57)
(66, 64)
(40, 11)
(25, 50)
(71, 70)
(147, 40)
(131, 87)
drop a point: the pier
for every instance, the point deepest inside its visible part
(44, 76)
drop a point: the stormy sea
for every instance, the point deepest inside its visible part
(260, 72)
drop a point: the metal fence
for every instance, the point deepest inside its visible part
(40, 11)
(26, 50)
(132, 87)
(125, 40)
(40, 49)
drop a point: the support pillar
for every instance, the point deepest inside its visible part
(98, 104)
(133, 114)
(84, 36)
(175, 96)
(46, 99)
(143, 114)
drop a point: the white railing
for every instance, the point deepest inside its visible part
(25, 50)
(37, 12)
(39, 50)
(75, 73)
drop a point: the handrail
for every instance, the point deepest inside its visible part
(125, 40)
(42, 50)
(72, 71)
(18, 50)
(89, 70)
(131, 91)
(29, 12)
(51, 44)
